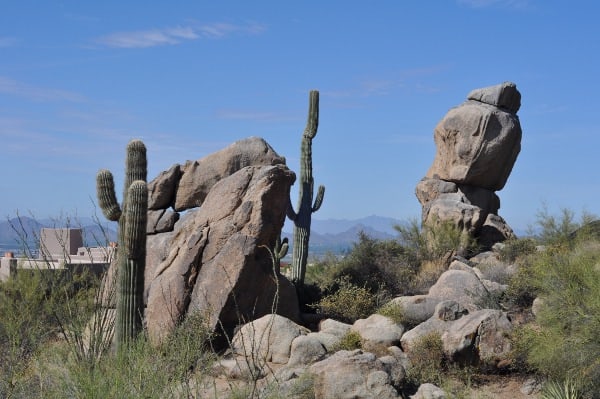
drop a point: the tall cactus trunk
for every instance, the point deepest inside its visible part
(302, 218)
(131, 250)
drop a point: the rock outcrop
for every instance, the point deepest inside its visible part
(216, 263)
(186, 186)
(477, 145)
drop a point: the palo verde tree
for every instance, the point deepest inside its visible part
(302, 217)
(131, 250)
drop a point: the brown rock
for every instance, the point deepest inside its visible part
(478, 143)
(161, 190)
(161, 221)
(199, 176)
(215, 264)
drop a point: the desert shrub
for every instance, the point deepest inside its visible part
(379, 265)
(434, 240)
(143, 370)
(427, 359)
(556, 230)
(348, 302)
(37, 307)
(26, 323)
(394, 311)
(516, 248)
(350, 341)
(428, 250)
(376, 266)
(565, 339)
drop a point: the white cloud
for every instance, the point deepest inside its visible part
(12, 87)
(175, 35)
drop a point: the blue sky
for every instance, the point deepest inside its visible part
(78, 80)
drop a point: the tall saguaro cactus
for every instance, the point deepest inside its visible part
(302, 217)
(131, 250)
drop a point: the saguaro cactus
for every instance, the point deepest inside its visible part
(131, 250)
(306, 207)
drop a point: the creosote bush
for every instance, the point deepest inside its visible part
(348, 302)
(394, 311)
(565, 338)
(427, 358)
(350, 341)
(563, 342)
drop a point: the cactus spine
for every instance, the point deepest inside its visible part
(306, 207)
(131, 250)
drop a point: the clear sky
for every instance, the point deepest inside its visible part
(79, 79)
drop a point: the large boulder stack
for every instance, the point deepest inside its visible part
(186, 186)
(477, 145)
(216, 261)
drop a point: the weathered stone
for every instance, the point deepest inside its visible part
(449, 311)
(352, 374)
(494, 230)
(215, 264)
(161, 221)
(334, 327)
(504, 95)
(199, 176)
(477, 144)
(161, 190)
(417, 308)
(461, 286)
(268, 339)
(378, 332)
(429, 391)
(306, 349)
(395, 365)
(478, 338)
(158, 248)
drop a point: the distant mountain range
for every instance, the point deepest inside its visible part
(338, 235)
(330, 235)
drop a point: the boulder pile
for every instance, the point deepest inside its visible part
(477, 144)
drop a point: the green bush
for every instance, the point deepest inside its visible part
(142, 371)
(434, 240)
(348, 302)
(350, 341)
(427, 359)
(565, 340)
(394, 311)
(35, 310)
(557, 230)
(517, 248)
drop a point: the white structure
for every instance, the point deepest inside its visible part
(60, 249)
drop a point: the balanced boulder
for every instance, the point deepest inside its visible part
(477, 144)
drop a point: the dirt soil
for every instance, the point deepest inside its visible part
(501, 387)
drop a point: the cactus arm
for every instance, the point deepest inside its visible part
(319, 199)
(136, 219)
(107, 200)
